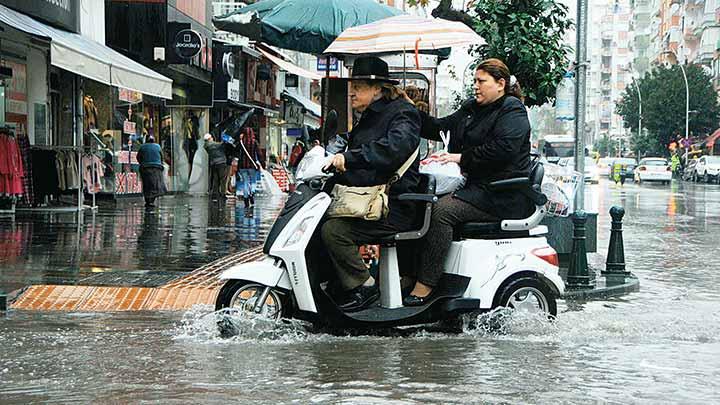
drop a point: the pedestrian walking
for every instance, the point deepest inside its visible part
(151, 171)
(248, 167)
(218, 167)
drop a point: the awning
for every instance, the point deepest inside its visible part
(289, 67)
(311, 106)
(90, 59)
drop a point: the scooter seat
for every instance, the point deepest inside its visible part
(486, 230)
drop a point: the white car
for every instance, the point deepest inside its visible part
(653, 169)
(604, 166)
(707, 168)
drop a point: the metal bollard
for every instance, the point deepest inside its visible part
(615, 263)
(3, 301)
(578, 276)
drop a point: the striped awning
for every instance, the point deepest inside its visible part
(404, 33)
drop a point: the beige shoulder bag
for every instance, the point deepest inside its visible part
(369, 203)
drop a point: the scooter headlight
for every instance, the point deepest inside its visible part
(298, 233)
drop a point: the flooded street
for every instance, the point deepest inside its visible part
(659, 345)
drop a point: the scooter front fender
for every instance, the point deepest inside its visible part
(270, 272)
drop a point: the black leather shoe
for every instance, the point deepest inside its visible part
(358, 298)
(414, 301)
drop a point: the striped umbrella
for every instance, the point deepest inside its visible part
(403, 33)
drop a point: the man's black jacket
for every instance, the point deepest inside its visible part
(494, 141)
(385, 136)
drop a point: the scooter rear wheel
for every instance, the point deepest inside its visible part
(528, 294)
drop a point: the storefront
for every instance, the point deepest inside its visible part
(61, 103)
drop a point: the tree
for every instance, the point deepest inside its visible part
(605, 146)
(663, 107)
(528, 35)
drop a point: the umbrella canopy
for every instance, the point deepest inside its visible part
(403, 33)
(303, 25)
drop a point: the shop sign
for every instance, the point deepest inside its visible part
(129, 96)
(322, 64)
(16, 89)
(294, 114)
(129, 127)
(127, 157)
(228, 65)
(187, 44)
(233, 90)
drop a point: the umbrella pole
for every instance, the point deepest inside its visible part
(404, 68)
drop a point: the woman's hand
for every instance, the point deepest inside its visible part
(449, 158)
(338, 161)
(405, 96)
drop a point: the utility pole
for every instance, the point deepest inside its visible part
(581, 66)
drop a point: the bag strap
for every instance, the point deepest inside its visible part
(399, 173)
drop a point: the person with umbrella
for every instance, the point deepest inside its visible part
(380, 143)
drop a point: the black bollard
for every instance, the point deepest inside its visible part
(3, 301)
(615, 263)
(578, 276)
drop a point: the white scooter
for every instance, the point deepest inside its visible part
(500, 264)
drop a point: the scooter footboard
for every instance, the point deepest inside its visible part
(269, 271)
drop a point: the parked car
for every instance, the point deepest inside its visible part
(707, 168)
(689, 173)
(653, 169)
(591, 173)
(603, 166)
(629, 164)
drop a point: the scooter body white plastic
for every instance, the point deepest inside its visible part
(264, 272)
(490, 262)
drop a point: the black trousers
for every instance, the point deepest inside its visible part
(217, 179)
(433, 249)
(343, 238)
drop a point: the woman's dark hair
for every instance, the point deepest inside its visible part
(498, 70)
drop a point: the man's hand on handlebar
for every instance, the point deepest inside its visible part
(337, 161)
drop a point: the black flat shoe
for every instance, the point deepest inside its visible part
(415, 301)
(358, 298)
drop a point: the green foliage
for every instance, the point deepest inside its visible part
(605, 146)
(528, 35)
(663, 107)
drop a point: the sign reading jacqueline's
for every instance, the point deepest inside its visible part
(187, 44)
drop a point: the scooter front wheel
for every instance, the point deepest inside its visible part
(528, 294)
(251, 299)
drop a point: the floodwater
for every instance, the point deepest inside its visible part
(659, 345)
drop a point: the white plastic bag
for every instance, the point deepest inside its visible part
(269, 185)
(448, 176)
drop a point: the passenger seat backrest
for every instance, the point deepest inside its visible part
(536, 175)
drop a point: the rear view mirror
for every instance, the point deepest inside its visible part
(330, 125)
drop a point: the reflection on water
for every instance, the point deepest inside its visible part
(659, 345)
(182, 235)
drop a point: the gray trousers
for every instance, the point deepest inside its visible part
(343, 238)
(433, 249)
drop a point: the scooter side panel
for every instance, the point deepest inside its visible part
(490, 262)
(293, 255)
(264, 272)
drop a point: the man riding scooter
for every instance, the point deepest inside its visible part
(385, 136)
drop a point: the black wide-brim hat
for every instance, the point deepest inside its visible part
(371, 68)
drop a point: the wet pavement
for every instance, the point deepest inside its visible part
(125, 244)
(660, 345)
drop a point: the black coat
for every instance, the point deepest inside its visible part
(383, 139)
(494, 141)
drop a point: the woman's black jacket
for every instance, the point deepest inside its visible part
(384, 137)
(494, 141)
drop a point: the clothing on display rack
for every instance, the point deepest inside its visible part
(44, 174)
(11, 166)
(24, 145)
(92, 172)
(90, 113)
(67, 170)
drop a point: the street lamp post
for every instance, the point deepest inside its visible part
(637, 88)
(687, 104)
